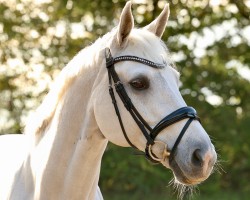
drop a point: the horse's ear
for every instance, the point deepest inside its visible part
(159, 24)
(125, 25)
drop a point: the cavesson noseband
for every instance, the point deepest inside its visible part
(148, 132)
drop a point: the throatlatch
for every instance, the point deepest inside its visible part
(148, 132)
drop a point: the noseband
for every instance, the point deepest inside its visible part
(148, 132)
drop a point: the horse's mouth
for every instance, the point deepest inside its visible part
(180, 176)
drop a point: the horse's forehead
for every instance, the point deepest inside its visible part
(130, 70)
(145, 44)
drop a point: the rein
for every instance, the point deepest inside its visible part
(149, 133)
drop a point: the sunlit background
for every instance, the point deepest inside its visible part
(210, 43)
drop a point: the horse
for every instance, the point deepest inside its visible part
(124, 88)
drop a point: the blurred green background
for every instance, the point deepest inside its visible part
(210, 43)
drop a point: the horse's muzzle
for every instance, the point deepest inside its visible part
(197, 166)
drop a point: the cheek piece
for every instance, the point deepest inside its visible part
(148, 132)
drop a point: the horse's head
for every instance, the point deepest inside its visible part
(154, 92)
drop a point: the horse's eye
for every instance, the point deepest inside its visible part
(139, 83)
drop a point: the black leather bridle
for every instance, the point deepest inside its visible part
(148, 132)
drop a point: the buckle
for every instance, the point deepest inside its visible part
(109, 58)
(109, 62)
(165, 153)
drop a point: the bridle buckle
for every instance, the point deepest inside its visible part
(165, 153)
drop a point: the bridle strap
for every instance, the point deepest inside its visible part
(111, 92)
(179, 138)
(139, 60)
(142, 124)
(149, 133)
(176, 116)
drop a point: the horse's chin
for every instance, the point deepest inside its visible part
(185, 181)
(180, 176)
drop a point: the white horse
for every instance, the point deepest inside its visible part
(59, 156)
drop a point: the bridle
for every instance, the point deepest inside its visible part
(148, 132)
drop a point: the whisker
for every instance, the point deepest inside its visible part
(171, 182)
(183, 191)
(218, 165)
(218, 168)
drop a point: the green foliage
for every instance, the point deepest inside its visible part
(38, 39)
(124, 170)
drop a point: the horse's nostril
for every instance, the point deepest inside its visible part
(197, 159)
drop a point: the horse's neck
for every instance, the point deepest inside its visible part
(66, 162)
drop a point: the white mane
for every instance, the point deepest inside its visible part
(86, 58)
